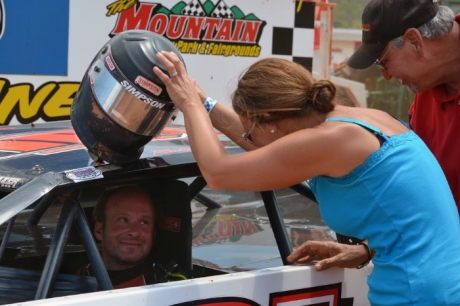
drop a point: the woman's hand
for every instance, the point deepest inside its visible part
(180, 87)
(330, 254)
(201, 93)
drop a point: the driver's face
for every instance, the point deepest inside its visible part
(127, 235)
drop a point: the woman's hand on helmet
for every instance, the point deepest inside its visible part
(200, 91)
(181, 88)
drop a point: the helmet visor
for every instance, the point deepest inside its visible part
(126, 103)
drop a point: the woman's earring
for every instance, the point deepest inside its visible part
(272, 131)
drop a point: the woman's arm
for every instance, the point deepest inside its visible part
(225, 120)
(290, 159)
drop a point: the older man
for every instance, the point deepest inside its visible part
(417, 42)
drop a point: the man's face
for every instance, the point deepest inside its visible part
(409, 64)
(127, 235)
(408, 74)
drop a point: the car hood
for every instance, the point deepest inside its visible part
(27, 151)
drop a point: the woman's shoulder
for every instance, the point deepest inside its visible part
(372, 119)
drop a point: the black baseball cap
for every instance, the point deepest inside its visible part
(384, 20)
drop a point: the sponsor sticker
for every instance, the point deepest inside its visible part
(83, 174)
(171, 224)
(131, 89)
(109, 62)
(10, 182)
(148, 85)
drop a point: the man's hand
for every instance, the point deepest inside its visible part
(330, 254)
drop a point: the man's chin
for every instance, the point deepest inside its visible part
(412, 89)
(132, 257)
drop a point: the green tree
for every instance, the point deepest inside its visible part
(347, 13)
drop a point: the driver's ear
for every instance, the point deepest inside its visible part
(98, 230)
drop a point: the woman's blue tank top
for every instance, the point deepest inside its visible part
(400, 201)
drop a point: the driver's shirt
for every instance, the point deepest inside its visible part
(146, 273)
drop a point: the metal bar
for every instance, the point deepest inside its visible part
(6, 237)
(195, 192)
(204, 221)
(38, 242)
(305, 190)
(197, 186)
(40, 209)
(94, 257)
(277, 224)
(206, 201)
(21, 198)
(56, 250)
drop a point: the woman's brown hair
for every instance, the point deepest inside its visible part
(281, 88)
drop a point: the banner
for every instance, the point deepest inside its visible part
(47, 45)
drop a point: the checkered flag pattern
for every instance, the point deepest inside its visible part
(222, 10)
(297, 41)
(193, 8)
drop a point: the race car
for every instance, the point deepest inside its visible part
(231, 246)
(234, 244)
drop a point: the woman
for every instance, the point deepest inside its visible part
(374, 178)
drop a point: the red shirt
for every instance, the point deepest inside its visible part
(435, 117)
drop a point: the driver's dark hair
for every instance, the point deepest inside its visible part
(99, 212)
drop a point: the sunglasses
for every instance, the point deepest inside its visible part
(379, 62)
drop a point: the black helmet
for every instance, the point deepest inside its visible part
(121, 103)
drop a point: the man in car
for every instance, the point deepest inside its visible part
(125, 225)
